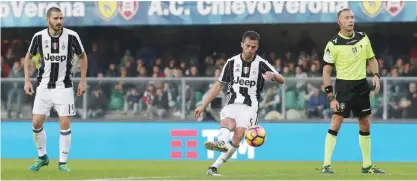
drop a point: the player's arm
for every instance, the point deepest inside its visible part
(270, 73)
(370, 56)
(373, 63)
(79, 50)
(329, 57)
(225, 76)
(33, 48)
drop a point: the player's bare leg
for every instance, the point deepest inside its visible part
(39, 137)
(227, 125)
(365, 144)
(330, 143)
(64, 142)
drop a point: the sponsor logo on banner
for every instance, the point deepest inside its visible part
(107, 9)
(394, 7)
(128, 9)
(371, 8)
(184, 138)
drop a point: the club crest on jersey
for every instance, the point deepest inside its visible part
(394, 7)
(371, 8)
(107, 9)
(63, 45)
(246, 70)
(254, 72)
(128, 9)
(55, 46)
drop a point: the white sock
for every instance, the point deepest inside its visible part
(224, 156)
(64, 145)
(39, 136)
(224, 135)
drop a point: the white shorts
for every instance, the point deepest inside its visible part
(245, 116)
(62, 100)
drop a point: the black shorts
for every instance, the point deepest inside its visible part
(353, 95)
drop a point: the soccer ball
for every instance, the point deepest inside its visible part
(255, 136)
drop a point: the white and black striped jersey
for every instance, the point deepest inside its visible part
(244, 79)
(56, 54)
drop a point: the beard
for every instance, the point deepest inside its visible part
(56, 27)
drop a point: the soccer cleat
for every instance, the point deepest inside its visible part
(63, 168)
(327, 169)
(216, 146)
(372, 169)
(212, 171)
(39, 163)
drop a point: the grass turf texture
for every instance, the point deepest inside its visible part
(18, 169)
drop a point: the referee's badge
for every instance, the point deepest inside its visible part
(342, 107)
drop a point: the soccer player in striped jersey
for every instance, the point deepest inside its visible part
(244, 74)
(56, 46)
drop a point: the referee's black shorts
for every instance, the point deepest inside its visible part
(353, 95)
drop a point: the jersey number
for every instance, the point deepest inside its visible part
(71, 109)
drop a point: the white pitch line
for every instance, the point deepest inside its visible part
(270, 175)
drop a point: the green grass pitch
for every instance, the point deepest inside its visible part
(18, 169)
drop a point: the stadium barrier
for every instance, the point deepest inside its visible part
(393, 89)
(391, 142)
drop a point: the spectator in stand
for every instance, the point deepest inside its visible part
(112, 71)
(161, 103)
(170, 69)
(97, 104)
(16, 92)
(158, 63)
(375, 100)
(132, 101)
(314, 71)
(130, 69)
(411, 105)
(278, 65)
(116, 99)
(316, 102)
(123, 72)
(5, 68)
(270, 101)
(184, 68)
(148, 99)
(209, 66)
(220, 62)
(156, 72)
(142, 72)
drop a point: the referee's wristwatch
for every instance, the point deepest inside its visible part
(377, 74)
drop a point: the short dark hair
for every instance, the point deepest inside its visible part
(341, 11)
(252, 35)
(52, 9)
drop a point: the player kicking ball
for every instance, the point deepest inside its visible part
(244, 75)
(55, 88)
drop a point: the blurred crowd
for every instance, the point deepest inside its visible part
(163, 99)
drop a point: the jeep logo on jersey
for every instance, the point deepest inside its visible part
(244, 82)
(55, 58)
